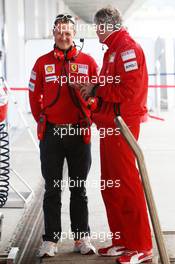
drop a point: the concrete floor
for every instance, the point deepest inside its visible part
(158, 142)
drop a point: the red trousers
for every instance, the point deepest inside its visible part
(125, 204)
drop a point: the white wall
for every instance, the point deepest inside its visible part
(27, 20)
(14, 41)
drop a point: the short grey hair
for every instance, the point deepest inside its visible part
(109, 15)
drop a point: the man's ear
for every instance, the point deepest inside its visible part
(53, 31)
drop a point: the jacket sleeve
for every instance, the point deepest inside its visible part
(127, 80)
(35, 90)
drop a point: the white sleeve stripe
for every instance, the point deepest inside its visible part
(31, 86)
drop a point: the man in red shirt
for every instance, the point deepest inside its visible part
(60, 112)
(125, 206)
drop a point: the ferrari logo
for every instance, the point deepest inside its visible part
(74, 67)
(112, 57)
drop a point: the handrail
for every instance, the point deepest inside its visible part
(147, 188)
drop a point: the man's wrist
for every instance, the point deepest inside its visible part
(94, 103)
(94, 89)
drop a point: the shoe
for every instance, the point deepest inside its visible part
(84, 246)
(135, 257)
(111, 251)
(47, 249)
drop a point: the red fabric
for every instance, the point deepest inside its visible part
(125, 205)
(3, 112)
(64, 111)
(132, 90)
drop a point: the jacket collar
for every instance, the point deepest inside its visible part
(113, 37)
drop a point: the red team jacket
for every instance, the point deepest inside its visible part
(123, 60)
(45, 80)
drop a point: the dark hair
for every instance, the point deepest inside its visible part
(109, 15)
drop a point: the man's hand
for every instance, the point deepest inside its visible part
(86, 89)
(76, 86)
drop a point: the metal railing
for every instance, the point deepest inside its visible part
(147, 188)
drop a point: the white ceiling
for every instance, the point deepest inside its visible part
(86, 9)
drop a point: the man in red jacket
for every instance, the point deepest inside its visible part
(60, 112)
(125, 206)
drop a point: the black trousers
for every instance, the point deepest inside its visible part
(53, 150)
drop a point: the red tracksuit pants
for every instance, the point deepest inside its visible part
(125, 204)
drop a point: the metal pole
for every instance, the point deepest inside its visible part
(147, 188)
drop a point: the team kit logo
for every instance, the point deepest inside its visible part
(49, 69)
(74, 67)
(79, 68)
